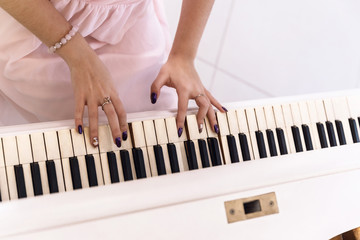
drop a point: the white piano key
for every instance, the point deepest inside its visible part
(78, 143)
(4, 185)
(327, 107)
(173, 137)
(282, 123)
(271, 124)
(252, 124)
(59, 175)
(44, 177)
(162, 140)
(83, 172)
(105, 168)
(52, 145)
(222, 141)
(305, 116)
(2, 162)
(24, 149)
(195, 135)
(354, 103)
(105, 139)
(90, 149)
(119, 166)
(296, 116)
(10, 151)
(98, 168)
(244, 128)
(152, 161)
(38, 147)
(11, 182)
(234, 130)
(262, 126)
(65, 143)
(317, 116)
(160, 129)
(150, 138)
(28, 180)
(341, 112)
(138, 134)
(67, 174)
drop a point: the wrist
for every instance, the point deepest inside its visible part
(75, 51)
(181, 57)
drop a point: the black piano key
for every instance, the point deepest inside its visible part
(126, 165)
(139, 163)
(245, 152)
(271, 142)
(354, 131)
(340, 131)
(322, 135)
(282, 141)
(75, 173)
(20, 181)
(159, 158)
(331, 133)
(113, 168)
(191, 155)
(91, 170)
(36, 178)
(234, 156)
(261, 144)
(307, 137)
(52, 178)
(297, 138)
(203, 153)
(174, 163)
(214, 151)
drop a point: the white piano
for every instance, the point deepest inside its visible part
(293, 186)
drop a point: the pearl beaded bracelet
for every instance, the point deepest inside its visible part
(64, 40)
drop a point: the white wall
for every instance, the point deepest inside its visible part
(258, 48)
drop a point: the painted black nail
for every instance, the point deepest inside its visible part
(118, 142)
(225, 109)
(216, 128)
(180, 130)
(201, 128)
(124, 135)
(80, 129)
(153, 98)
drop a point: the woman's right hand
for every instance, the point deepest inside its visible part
(92, 83)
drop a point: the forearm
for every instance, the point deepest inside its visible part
(193, 18)
(45, 22)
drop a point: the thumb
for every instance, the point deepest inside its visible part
(156, 86)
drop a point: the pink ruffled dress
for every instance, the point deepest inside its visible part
(130, 37)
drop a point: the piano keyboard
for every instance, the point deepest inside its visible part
(40, 162)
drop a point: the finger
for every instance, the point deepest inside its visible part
(214, 102)
(181, 114)
(158, 83)
(79, 113)
(120, 111)
(93, 123)
(212, 119)
(113, 122)
(203, 104)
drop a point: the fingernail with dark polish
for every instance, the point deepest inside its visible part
(180, 130)
(216, 128)
(225, 109)
(80, 129)
(153, 98)
(124, 135)
(201, 128)
(118, 142)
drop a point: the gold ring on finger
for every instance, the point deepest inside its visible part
(107, 100)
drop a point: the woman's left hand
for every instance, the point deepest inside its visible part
(180, 73)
